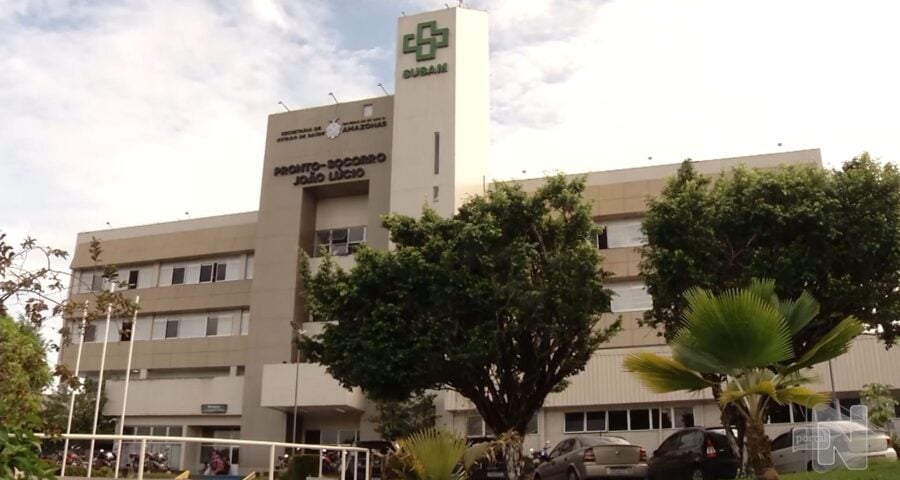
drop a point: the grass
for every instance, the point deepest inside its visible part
(876, 471)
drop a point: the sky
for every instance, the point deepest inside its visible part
(132, 112)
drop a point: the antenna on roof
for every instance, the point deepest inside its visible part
(187, 214)
(448, 6)
(335, 98)
(283, 105)
(383, 90)
(108, 225)
(403, 13)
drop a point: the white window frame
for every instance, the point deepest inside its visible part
(625, 292)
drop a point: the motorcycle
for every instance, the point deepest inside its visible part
(105, 459)
(153, 462)
(331, 461)
(538, 456)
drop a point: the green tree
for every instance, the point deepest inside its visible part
(500, 303)
(23, 376)
(397, 419)
(56, 411)
(744, 337)
(835, 234)
(879, 400)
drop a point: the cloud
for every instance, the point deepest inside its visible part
(135, 112)
(589, 86)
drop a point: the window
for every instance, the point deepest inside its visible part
(339, 241)
(625, 420)
(690, 440)
(596, 421)
(90, 333)
(782, 441)
(437, 153)
(435, 193)
(97, 282)
(248, 272)
(132, 279)
(172, 329)
(574, 422)
(368, 110)
(639, 420)
(219, 272)
(661, 418)
(346, 437)
(602, 241)
(532, 427)
(212, 326)
(206, 273)
(621, 233)
(177, 275)
(778, 413)
(125, 332)
(684, 417)
(475, 427)
(618, 420)
(630, 297)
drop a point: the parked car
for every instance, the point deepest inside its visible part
(694, 453)
(853, 441)
(593, 457)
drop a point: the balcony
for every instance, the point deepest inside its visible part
(176, 396)
(316, 390)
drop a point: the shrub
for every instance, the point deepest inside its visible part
(300, 467)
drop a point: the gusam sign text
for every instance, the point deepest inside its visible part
(422, 71)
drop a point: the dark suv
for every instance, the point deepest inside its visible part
(694, 453)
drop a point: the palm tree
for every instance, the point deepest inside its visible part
(434, 454)
(745, 337)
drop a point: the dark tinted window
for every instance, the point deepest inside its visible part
(783, 441)
(177, 275)
(670, 443)
(602, 242)
(596, 421)
(618, 420)
(90, 333)
(132, 279)
(662, 419)
(720, 441)
(575, 422)
(212, 326)
(779, 413)
(206, 273)
(690, 440)
(220, 272)
(172, 329)
(640, 420)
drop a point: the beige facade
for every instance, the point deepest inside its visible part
(213, 351)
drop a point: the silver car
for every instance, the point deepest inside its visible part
(593, 457)
(792, 451)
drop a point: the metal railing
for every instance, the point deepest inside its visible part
(143, 439)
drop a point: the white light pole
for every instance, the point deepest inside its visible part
(300, 333)
(65, 455)
(121, 425)
(112, 289)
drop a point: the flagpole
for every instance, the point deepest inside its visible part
(137, 300)
(112, 289)
(65, 455)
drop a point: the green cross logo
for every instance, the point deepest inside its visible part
(426, 47)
